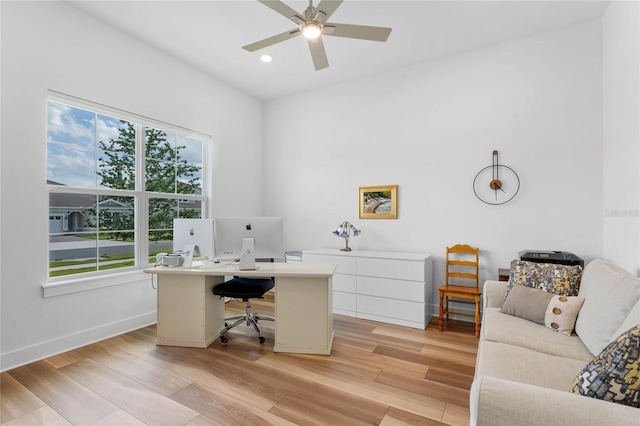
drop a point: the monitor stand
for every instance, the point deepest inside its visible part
(247, 255)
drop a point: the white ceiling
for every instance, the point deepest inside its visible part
(209, 35)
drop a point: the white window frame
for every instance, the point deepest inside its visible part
(65, 284)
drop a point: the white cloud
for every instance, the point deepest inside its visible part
(61, 121)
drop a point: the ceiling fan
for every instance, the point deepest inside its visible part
(312, 23)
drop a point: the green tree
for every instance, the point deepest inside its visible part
(165, 172)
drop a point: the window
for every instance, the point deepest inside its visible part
(116, 182)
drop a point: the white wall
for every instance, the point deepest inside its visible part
(49, 45)
(621, 133)
(430, 128)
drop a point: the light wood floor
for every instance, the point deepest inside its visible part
(377, 374)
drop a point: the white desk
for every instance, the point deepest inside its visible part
(189, 314)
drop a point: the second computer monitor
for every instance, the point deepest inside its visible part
(266, 232)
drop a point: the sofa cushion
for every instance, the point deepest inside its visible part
(563, 280)
(523, 365)
(631, 321)
(613, 374)
(609, 295)
(562, 312)
(527, 303)
(503, 328)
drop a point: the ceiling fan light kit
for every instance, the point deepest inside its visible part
(313, 24)
(311, 30)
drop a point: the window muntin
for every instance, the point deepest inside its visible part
(91, 176)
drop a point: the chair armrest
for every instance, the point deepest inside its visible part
(493, 293)
(497, 402)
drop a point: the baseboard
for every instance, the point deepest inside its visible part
(62, 344)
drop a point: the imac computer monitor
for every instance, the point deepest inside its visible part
(266, 234)
(198, 232)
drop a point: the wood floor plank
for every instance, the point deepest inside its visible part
(365, 389)
(303, 410)
(203, 421)
(463, 342)
(351, 355)
(395, 417)
(136, 399)
(161, 380)
(75, 402)
(64, 359)
(15, 399)
(449, 377)
(119, 418)
(223, 409)
(43, 416)
(147, 334)
(281, 384)
(405, 344)
(131, 344)
(459, 356)
(435, 390)
(424, 359)
(209, 377)
(455, 415)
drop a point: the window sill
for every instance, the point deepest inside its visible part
(70, 286)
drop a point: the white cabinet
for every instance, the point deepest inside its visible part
(388, 287)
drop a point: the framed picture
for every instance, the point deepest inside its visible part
(378, 202)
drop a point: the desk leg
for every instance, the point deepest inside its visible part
(304, 320)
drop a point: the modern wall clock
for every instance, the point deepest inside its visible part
(496, 184)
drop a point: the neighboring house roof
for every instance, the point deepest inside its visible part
(71, 201)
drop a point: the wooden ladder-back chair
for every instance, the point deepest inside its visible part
(462, 282)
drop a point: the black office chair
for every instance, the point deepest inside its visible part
(245, 289)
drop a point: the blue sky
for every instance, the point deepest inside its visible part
(72, 140)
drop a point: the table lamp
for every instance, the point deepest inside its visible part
(344, 230)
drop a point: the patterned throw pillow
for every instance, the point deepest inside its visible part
(563, 280)
(614, 375)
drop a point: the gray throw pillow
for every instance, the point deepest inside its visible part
(527, 303)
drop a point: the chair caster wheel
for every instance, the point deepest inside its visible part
(223, 340)
(262, 340)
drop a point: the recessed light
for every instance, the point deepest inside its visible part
(266, 58)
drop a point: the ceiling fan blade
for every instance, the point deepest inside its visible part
(283, 10)
(326, 8)
(271, 40)
(318, 54)
(362, 32)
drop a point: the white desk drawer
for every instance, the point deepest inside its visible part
(344, 265)
(389, 308)
(393, 289)
(390, 268)
(345, 283)
(344, 301)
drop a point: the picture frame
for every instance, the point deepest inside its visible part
(378, 202)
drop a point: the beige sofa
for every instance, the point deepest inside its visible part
(524, 370)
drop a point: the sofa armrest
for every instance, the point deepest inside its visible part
(496, 402)
(493, 293)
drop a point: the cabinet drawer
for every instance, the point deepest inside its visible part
(390, 308)
(392, 289)
(388, 268)
(345, 283)
(344, 265)
(344, 301)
